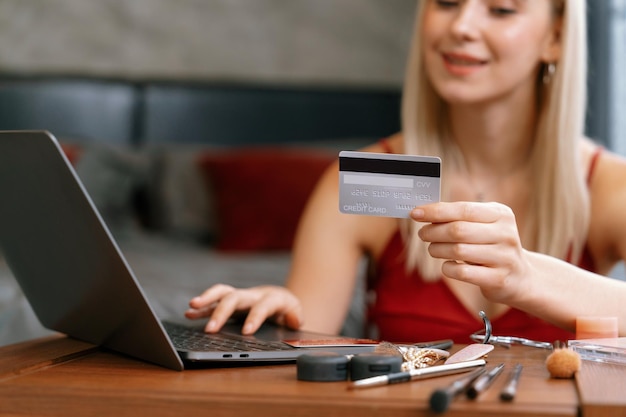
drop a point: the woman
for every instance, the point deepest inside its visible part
(532, 218)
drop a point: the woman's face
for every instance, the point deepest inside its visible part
(483, 50)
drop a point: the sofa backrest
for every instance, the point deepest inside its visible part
(153, 112)
(251, 115)
(74, 109)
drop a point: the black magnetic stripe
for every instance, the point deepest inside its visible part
(389, 166)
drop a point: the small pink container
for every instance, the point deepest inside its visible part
(595, 327)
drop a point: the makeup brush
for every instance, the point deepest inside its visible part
(441, 398)
(562, 362)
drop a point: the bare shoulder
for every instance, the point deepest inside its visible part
(609, 171)
(607, 187)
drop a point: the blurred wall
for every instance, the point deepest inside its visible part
(301, 41)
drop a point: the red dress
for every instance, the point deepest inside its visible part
(408, 309)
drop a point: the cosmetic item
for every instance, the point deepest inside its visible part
(441, 398)
(414, 374)
(612, 350)
(510, 388)
(322, 367)
(563, 362)
(367, 365)
(594, 327)
(470, 352)
(480, 384)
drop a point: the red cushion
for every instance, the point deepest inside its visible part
(260, 194)
(72, 152)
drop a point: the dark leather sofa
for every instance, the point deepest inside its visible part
(137, 112)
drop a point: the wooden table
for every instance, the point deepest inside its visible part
(59, 376)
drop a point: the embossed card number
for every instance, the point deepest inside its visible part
(388, 185)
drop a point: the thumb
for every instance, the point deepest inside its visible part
(293, 319)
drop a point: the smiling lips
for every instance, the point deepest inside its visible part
(462, 64)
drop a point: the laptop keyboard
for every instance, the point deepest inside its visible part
(195, 339)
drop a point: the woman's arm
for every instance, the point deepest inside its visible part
(559, 292)
(328, 248)
(483, 243)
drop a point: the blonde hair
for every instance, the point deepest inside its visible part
(559, 212)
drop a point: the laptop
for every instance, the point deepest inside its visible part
(78, 282)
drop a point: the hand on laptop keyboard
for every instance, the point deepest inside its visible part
(221, 301)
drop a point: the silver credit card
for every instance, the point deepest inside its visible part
(389, 185)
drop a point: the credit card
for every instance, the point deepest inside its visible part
(388, 185)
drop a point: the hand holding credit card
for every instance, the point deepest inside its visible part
(388, 185)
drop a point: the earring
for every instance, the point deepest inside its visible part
(548, 72)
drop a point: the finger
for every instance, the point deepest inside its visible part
(294, 319)
(461, 231)
(459, 210)
(470, 253)
(211, 295)
(463, 271)
(280, 306)
(291, 320)
(197, 313)
(482, 276)
(233, 301)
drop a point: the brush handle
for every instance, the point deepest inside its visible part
(510, 389)
(480, 384)
(414, 374)
(441, 398)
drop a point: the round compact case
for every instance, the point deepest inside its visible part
(322, 367)
(365, 365)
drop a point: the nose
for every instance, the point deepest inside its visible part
(466, 22)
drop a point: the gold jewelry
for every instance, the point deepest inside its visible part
(417, 358)
(413, 357)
